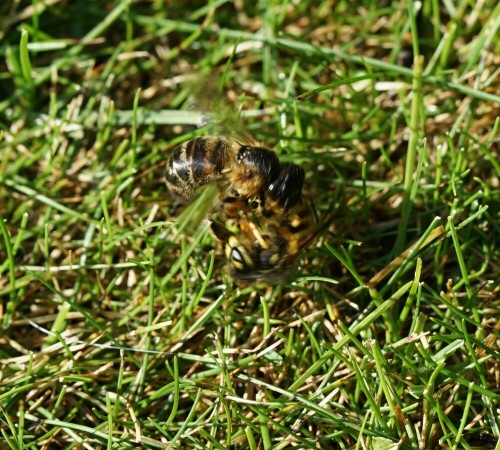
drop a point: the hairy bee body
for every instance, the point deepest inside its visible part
(261, 219)
(251, 171)
(196, 163)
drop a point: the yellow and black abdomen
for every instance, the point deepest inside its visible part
(265, 245)
(196, 163)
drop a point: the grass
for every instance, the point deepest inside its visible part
(121, 326)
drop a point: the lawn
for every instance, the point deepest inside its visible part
(122, 326)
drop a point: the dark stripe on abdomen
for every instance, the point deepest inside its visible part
(200, 161)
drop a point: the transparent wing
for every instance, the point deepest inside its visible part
(211, 101)
(194, 213)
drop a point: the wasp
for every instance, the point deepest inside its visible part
(264, 244)
(261, 218)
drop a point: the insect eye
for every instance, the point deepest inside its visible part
(240, 259)
(237, 257)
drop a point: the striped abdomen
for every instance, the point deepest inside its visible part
(266, 246)
(196, 163)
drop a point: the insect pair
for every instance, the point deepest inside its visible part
(261, 218)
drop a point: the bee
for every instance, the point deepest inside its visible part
(249, 171)
(260, 217)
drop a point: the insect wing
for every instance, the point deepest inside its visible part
(192, 216)
(211, 102)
